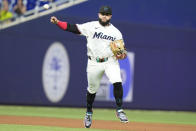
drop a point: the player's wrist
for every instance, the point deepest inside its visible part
(57, 21)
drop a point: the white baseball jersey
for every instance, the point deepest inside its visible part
(99, 38)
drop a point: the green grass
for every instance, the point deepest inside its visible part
(6, 127)
(171, 117)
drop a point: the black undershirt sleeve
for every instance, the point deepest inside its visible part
(72, 28)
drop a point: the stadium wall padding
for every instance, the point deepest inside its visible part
(164, 67)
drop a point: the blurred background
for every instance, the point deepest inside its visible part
(42, 65)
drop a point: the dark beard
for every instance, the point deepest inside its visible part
(104, 23)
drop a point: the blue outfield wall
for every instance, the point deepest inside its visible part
(164, 65)
(168, 13)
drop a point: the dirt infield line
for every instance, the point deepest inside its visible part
(97, 124)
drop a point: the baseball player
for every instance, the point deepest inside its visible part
(101, 59)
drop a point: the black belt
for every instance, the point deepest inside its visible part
(99, 59)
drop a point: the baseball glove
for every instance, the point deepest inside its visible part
(118, 49)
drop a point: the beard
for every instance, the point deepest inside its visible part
(104, 23)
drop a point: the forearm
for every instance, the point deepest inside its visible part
(68, 27)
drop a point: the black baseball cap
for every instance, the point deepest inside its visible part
(105, 10)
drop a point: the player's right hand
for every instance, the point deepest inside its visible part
(54, 20)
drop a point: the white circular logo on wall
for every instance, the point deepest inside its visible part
(55, 72)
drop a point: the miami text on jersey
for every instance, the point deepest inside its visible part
(102, 36)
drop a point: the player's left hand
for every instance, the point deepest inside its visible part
(118, 49)
(121, 56)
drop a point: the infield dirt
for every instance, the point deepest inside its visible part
(97, 124)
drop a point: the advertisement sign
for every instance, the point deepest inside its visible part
(55, 73)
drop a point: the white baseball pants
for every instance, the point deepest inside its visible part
(95, 71)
